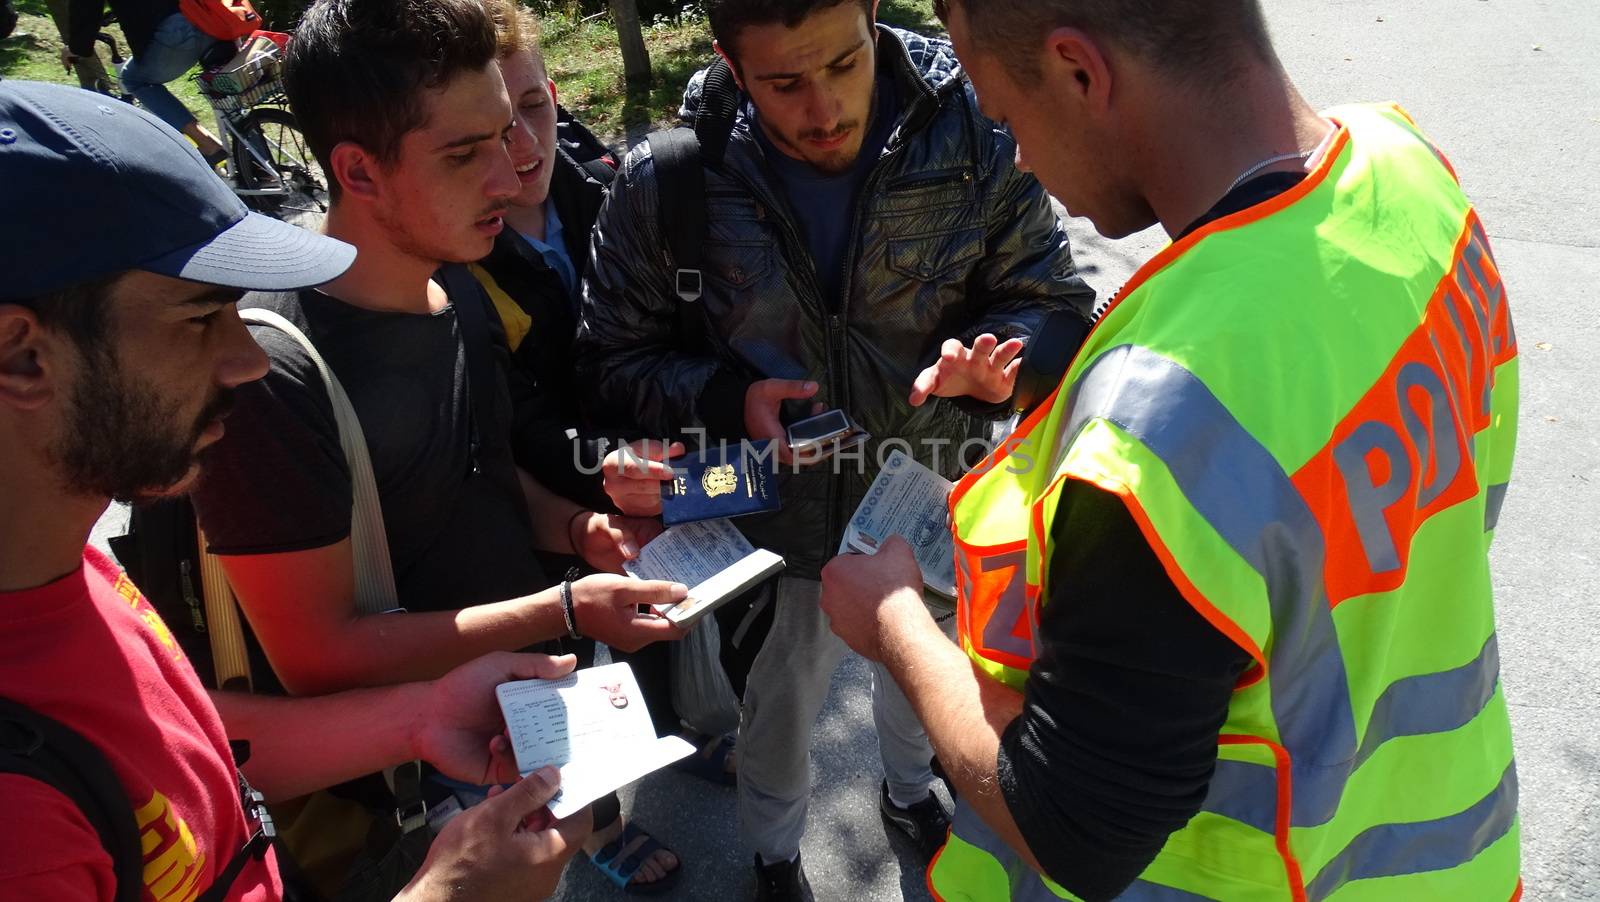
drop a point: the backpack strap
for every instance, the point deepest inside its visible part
(369, 540)
(681, 205)
(719, 107)
(33, 745)
(682, 156)
(472, 304)
(375, 591)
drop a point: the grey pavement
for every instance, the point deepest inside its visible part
(1511, 90)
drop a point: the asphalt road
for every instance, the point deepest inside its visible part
(1511, 90)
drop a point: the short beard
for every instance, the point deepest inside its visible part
(120, 439)
(413, 243)
(835, 163)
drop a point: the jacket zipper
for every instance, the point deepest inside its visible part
(834, 321)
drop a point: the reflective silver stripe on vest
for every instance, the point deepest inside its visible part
(1393, 850)
(1433, 702)
(1245, 792)
(1414, 706)
(1027, 886)
(1242, 491)
(1494, 499)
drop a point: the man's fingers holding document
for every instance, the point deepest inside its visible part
(607, 609)
(524, 798)
(504, 848)
(633, 475)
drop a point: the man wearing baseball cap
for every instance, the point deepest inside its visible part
(120, 345)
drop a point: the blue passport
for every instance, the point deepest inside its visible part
(721, 482)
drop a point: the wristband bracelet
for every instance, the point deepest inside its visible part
(567, 612)
(570, 540)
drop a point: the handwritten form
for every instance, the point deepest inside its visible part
(593, 726)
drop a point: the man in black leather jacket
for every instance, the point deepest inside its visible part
(870, 248)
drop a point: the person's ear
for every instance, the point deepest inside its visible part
(27, 351)
(1074, 63)
(872, 17)
(356, 170)
(732, 66)
(552, 83)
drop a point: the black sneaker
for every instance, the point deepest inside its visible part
(782, 882)
(926, 823)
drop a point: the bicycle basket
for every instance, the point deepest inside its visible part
(257, 63)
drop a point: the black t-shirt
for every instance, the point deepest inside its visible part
(1117, 741)
(458, 526)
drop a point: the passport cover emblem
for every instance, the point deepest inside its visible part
(719, 481)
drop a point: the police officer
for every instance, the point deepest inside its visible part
(1225, 607)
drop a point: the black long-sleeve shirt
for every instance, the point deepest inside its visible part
(1117, 741)
(139, 19)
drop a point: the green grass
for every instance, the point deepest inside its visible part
(581, 54)
(584, 61)
(33, 53)
(586, 65)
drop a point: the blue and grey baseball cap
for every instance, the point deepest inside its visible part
(91, 186)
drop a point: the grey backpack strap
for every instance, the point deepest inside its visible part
(369, 541)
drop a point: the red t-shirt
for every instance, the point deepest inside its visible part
(90, 651)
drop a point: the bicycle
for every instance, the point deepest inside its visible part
(270, 166)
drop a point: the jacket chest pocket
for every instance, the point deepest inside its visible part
(737, 266)
(935, 257)
(925, 193)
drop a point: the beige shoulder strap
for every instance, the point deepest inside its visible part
(369, 541)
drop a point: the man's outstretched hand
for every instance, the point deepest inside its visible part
(987, 371)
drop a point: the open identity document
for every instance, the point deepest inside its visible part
(593, 726)
(712, 558)
(910, 501)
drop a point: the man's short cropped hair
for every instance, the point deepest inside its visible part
(516, 28)
(357, 69)
(729, 17)
(1199, 38)
(78, 311)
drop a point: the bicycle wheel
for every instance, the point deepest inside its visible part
(277, 171)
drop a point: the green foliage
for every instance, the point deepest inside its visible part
(580, 46)
(33, 52)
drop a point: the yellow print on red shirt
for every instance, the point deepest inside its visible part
(136, 600)
(173, 862)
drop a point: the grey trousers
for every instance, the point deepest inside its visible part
(787, 686)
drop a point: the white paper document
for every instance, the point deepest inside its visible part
(712, 558)
(910, 501)
(593, 726)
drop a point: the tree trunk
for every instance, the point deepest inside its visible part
(635, 57)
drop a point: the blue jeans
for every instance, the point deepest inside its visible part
(174, 48)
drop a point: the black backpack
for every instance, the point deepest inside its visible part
(577, 142)
(162, 555)
(680, 156)
(41, 748)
